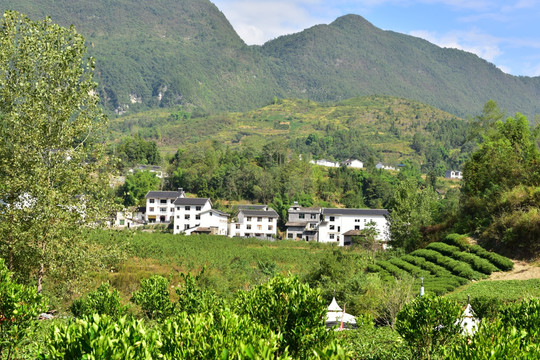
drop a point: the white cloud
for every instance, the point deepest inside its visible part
(485, 46)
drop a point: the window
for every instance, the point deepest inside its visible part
(172, 209)
(177, 227)
(365, 220)
(259, 227)
(122, 222)
(356, 220)
(356, 227)
(301, 216)
(332, 218)
(290, 236)
(197, 217)
(186, 217)
(332, 227)
(339, 228)
(313, 216)
(238, 226)
(197, 208)
(188, 207)
(151, 209)
(151, 201)
(178, 216)
(178, 208)
(270, 227)
(163, 209)
(331, 236)
(248, 218)
(186, 226)
(172, 200)
(259, 219)
(163, 201)
(248, 226)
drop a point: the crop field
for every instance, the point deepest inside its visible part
(444, 266)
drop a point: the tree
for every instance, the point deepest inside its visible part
(428, 323)
(411, 209)
(137, 186)
(50, 151)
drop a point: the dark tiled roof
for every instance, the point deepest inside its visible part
(360, 212)
(191, 201)
(262, 213)
(296, 224)
(250, 207)
(353, 233)
(306, 210)
(163, 194)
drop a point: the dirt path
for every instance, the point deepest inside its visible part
(522, 271)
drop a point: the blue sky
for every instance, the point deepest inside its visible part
(505, 33)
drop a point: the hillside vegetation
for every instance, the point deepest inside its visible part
(169, 52)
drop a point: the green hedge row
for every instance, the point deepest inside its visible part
(501, 262)
(434, 269)
(477, 263)
(410, 268)
(458, 268)
(443, 248)
(393, 269)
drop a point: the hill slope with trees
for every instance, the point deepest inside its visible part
(166, 53)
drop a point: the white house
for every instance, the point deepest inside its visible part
(255, 223)
(380, 165)
(337, 222)
(323, 162)
(353, 163)
(160, 205)
(187, 214)
(453, 174)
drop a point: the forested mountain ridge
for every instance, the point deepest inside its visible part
(165, 53)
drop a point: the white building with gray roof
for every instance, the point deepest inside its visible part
(261, 223)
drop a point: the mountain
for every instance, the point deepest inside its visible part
(171, 52)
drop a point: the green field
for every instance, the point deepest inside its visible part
(506, 290)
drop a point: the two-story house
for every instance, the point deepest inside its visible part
(195, 215)
(303, 222)
(260, 223)
(160, 205)
(336, 224)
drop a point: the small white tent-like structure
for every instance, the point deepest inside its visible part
(337, 316)
(469, 323)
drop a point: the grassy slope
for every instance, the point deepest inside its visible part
(290, 119)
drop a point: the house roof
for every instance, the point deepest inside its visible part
(163, 194)
(305, 210)
(191, 201)
(215, 212)
(360, 212)
(353, 233)
(296, 224)
(251, 207)
(260, 213)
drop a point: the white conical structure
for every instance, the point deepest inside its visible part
(335, 315)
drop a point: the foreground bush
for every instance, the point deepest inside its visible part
(153, 297)
(20, 306)
(102, 301)
(428, 323)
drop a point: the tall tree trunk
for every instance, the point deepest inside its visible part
(40, 277)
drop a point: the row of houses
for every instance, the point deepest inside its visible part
(196, 216)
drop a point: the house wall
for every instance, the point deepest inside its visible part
(188, 217)
(253, 226)
(159, 210)
(334, 226)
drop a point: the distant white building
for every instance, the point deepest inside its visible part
(333, 225)
(353, 163)
(337, 222)
(151, 168)
(196, 216)
(453, 174)
(255, 223)
(380, 165)
(324, 162)
(160, 205)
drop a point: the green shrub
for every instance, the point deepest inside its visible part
(291, 309)
(434, 269)
(102, 337)
(153, 297)
(411, 269)
(392, 269)
(443, 248)
(20, 306)
(501, 262)
(103, 301)
(374, 343)
(456, 240)
(477, 263)
(486, 307)
(428, 323)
